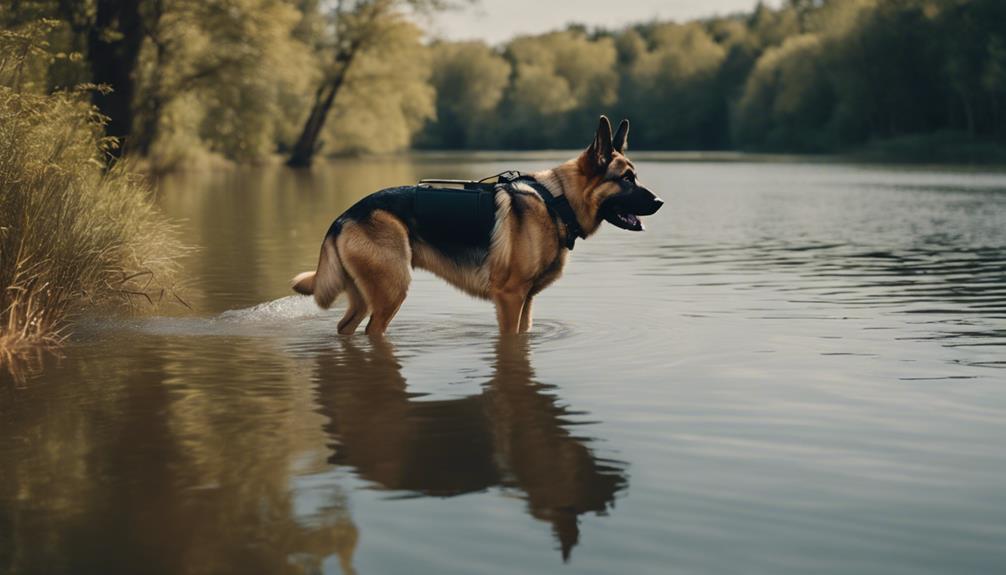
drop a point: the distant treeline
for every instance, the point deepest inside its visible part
(814, 76)
(245, 79)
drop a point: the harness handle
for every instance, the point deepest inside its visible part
(466, 184)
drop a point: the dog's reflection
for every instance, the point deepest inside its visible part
(512, 434)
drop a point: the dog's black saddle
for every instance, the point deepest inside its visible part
(463, 211)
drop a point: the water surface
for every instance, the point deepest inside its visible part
(798, 368)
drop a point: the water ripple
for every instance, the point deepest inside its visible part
(946, 283)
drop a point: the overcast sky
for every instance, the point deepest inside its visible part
(498, 20)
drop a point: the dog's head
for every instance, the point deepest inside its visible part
(610, 189)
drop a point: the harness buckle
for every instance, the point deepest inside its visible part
(508, 177)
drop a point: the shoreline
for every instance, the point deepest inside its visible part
(909, 152)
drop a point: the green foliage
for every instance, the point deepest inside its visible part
(772, 27)
(815, 75)
(787, 101)
(559, 80)
(671, 83)
(469, 80)
(70, 234)
(387, 96)
(878, 70)
(368, 34)
(225, 77)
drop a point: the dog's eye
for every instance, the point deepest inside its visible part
(629, 177)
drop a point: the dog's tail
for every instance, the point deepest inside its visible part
(328, 281)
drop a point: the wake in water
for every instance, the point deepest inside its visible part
(278, 310)
(299, 317)
(265, 319)
(270, 318)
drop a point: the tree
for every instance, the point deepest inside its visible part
(971, 45)
(560, 81)
(469, 79)
(788, 101)
(386, 97)
(673, 85)
(224, 67)
(357, 26)
(145, 54)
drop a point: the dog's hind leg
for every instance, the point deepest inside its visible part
(382, 316)
(378, 257)
(355, 311)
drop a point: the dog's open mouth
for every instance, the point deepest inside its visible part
(623, 210)
(625, 221)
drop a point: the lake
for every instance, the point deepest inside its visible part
(800, 367)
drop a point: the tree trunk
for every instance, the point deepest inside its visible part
(307, 144)
(150, 120)
(113, 48)
(969, 114)
(153, 106)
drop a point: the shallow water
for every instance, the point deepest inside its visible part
(798, 368)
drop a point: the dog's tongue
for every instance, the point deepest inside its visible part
(625, 221)
(631, 222)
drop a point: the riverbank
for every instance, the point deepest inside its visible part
(937, 148)
(72, 236)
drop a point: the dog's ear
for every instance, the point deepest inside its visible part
(621, 139)
(600, 150)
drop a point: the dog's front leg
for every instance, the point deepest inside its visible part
(508, 308)
(525, 316)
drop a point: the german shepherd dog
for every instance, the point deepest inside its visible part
(370, 249)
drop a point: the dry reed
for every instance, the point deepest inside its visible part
(73, 235)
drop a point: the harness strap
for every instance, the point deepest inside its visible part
(558, 207)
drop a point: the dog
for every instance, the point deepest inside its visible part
(370, 250)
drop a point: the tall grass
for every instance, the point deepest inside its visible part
(72, 235)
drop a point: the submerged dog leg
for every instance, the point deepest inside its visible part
(381, 317)
(355, 311)
(508, 309)
(525, 316)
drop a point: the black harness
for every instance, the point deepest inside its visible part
(443, 202)
(558, 206)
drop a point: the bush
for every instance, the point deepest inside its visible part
(72, 235)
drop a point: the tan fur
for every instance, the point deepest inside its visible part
(474, 283)
(371, 259)
(330, 277)
(501, 241)
(303, 283)
(377, 255)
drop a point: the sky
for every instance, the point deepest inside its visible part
(496, 21)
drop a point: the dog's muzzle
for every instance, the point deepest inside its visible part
(623, 209)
